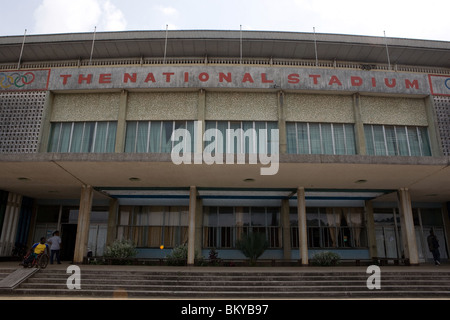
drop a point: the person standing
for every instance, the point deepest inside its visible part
(433, 245)
(55, 247)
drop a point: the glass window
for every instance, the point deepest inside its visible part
(99, 137)
(397, 140)
(320, 138)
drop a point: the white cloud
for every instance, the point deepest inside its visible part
(168, 11)
(58, 16)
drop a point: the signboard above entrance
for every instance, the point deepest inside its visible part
(225, 77)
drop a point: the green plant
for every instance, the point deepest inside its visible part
(252, 245)
(326, 258)
(121, 249)
(214, 259)
(178, 257)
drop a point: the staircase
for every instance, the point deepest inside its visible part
(240, 284)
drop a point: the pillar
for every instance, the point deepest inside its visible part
(433, 127)
(198, 226)
(302, 230)
(192, 223)
(371, 235)
(286, 229)
(84, 216)
(282, 123)
(112, 221)
(121, 122)
(407, 225)
(359, 126)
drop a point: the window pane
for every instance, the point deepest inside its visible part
(111, 138)
(291, 138)
(413, 139)
(54, 137)
(391, 140)
(88, 137)
(166, 143)
(303, 138)
(339, 138)
(271, 138)
(378, 136)
(100, 137)
(402, 141)
(425, 142)
(155, 137)
(350, 139)
(142, 136)
(369, 140)
(327, 139)
(314, 133)
(64, 139)
(130, 137)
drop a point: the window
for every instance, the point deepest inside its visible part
(320, 138)
(223, 226)
(384, 140)
(249, 141)
(155, 136)
(152, 226)
(98, 137)
(331, 228)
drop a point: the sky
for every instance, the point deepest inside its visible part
(396, 18)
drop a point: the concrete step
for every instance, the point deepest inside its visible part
(272, 284)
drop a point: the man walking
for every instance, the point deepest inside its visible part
(433, 245)
(55, 247)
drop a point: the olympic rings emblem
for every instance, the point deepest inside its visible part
(16, 79)
(447, 83)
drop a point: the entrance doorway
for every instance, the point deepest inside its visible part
(68, 239)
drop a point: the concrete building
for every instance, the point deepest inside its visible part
(335, 142)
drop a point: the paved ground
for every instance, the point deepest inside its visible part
(423, 267)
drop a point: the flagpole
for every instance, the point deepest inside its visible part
(92, 48)
(165, 44)
(315, 46)
(240, 43)
(21, 50)
(387, 50)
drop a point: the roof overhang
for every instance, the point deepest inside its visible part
(210, 43)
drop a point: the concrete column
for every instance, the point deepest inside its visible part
(446, 218)
(407, 225)
(286, 229)
(282, 123)
(84, 216)
(201, 116)
(433, 128)
(371, 236)
(112, 221)
(121, 122)
(302, 229)
(192, 223)
(359, 126)
(44, 135)
(198, 226)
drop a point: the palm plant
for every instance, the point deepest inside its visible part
(252, 246)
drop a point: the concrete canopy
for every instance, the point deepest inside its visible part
(60, 176)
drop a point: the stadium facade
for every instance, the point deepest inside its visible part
(320, 142)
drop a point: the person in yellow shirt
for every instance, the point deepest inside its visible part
(37, 249)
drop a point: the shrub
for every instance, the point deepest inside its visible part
(326, 258)
(121, 249)
(178, 257)
(252, 245)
